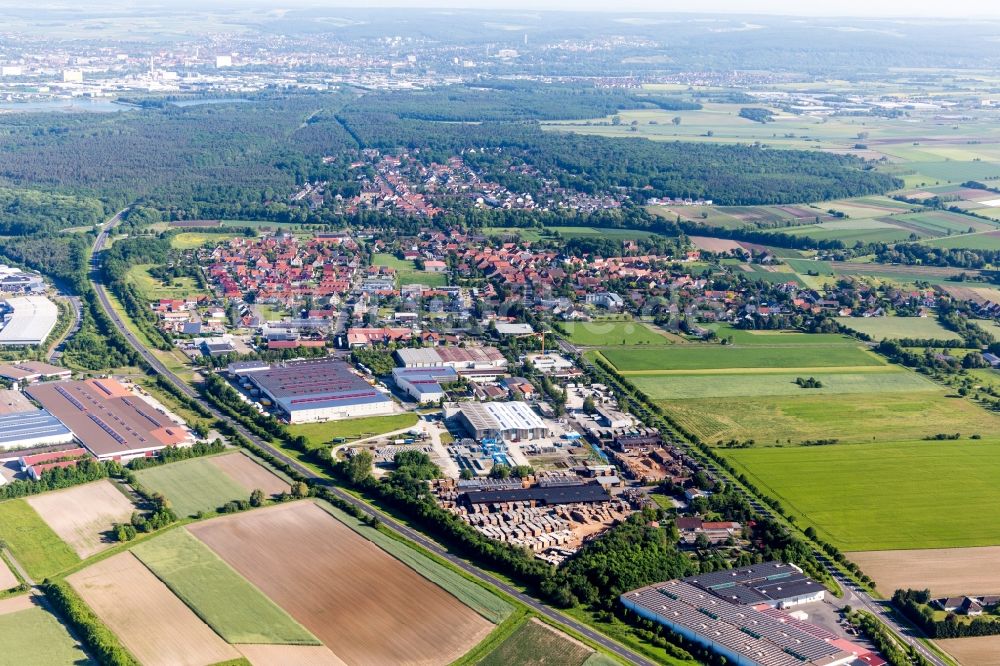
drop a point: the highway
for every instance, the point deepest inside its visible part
(610, 645)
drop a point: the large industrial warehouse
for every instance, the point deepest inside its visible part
(742, 634)
(462, 359)
(108, 419)
(27, 320)
(508, 421)
(310, 391)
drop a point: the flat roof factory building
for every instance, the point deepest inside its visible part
(462, 359)
(744, 635)
(424, 384)
(27, 320)
(507, 421)
(108, 419)
(323, 390)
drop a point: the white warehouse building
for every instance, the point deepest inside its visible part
(27, 320)
(509, 421)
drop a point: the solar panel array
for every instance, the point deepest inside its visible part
(743, 630)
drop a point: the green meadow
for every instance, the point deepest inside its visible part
(886, 496)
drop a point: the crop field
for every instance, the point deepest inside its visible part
(32, 541)
(31, 636)
(285, 655)
(476, 597)
(366, 606)
(608, 333)
(848, 417)
(536, 644)
(894, 328)
(146, 616)
(941, 223)
(84, 516)
(229, 604)
(979, 650)
(726, 357)
(680, 387)
(193, 485)
(853, 231)
(243, 470)
(779, 338)
(321, 434)
(946, 572)
(989, 240)
(891, 496)
(710, 215)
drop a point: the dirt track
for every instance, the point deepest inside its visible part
(366, 606)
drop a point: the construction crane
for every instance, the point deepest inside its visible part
(538, 334)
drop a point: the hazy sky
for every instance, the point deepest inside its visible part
(952, 9)
(955, 9)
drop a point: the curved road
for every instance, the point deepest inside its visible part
(613, 647)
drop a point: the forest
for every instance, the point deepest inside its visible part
(244, 160)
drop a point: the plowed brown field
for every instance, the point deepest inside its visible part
(151, 622)
(946, 572)
(366, 606)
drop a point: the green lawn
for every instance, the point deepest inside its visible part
(33, 543)
(601, 333)
(895, 495)
(723, 357)
(321, 434)
(407, 273)
(34, 637)
(880, 328)
(537, 644)
(191, 239)
(676, 387)
(849, 417)
(227, 602)
(469, 592)
(192, 485)
(153, 289)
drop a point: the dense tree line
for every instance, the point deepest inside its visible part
(639, 551)
(499, 100)
(927, 255)
(100, 641)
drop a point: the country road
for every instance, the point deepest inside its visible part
(410, 534)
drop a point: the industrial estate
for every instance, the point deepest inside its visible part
(373, 336)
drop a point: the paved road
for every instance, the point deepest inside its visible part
(388, 521)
